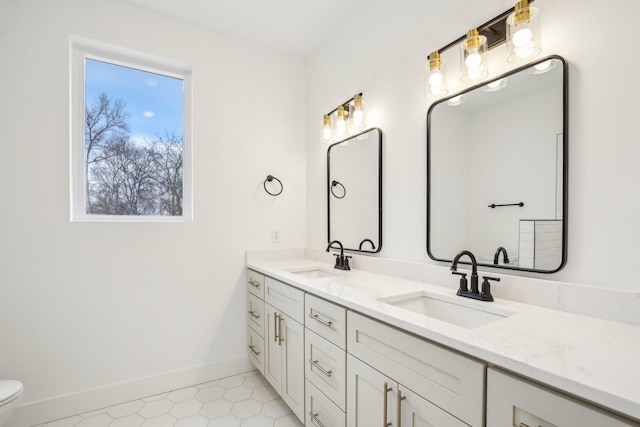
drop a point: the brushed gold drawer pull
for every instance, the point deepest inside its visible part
(315, 420)
(400, 399)
(275, 327)
(386, 390)
(523, 425)
(254, 283)
(253, 350)
(324, 322)
(253, 314)
(280, 339)
(320, 368)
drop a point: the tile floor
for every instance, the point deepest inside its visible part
(245, 400)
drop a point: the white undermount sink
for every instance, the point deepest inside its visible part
(314, 273)
(455, 310)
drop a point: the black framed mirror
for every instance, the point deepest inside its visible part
(354, 192)
(497, 170)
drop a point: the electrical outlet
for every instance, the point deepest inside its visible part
(275, 235)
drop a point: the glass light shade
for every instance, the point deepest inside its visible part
(435, 78)
(357, 114)
(495, 85)
(472, 61)
(327, 132)
(340, 129)
(523, 33)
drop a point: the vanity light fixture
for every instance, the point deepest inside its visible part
(472, 51)
(435, 76)
(356, 113)
(518, 27)
(523, 33)
(346, 119)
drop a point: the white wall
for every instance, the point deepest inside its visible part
(603, 175)
(86, 305)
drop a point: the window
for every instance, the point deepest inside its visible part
(130, 136)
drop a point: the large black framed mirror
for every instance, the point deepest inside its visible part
(497, 170)
(354, 192)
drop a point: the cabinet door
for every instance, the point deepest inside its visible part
(273, 349)
(291, 337)
(370, 396)
(418, 412)
(513, 401)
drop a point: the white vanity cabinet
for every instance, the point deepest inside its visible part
(513, 401)
(326, 364)
(284, 343)
(444, 387)
(256, 318)
(374, 399)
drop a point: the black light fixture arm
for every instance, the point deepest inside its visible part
(484, 28)
(344, 104)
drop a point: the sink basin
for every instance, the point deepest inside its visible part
(314, 273)
(454, 310)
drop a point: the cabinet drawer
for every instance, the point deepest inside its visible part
(321, 412)
(326, 366)
(515, 401)
(255, 283)
(326, 319)
(451, 381)
(256, 350)
(255, 313)
(285, 298)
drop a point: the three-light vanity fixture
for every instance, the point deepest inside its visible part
(345, 120)
(518, 27)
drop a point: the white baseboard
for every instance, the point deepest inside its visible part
(34, 413)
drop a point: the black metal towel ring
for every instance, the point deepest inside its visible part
(335, 184)
(269, 179)
(493, 205)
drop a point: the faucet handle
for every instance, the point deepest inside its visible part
(463, 281)
(346, 262)
(486, 287)
(338, 261)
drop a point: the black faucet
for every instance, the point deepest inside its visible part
(342, 262)
(496, 257)
(474, 293)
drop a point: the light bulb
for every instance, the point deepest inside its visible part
(357, 116)
(522, 37)
(435, 79)
(436, 89)
(474, 73)
(326, 132)
(473, 59)
(341, 124)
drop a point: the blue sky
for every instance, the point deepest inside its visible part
(153, 101)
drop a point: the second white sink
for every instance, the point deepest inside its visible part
(456, 310)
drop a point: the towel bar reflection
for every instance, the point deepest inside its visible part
(493, 205)
(271, 178)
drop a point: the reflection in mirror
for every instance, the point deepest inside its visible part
(354, 192)
(497, 171)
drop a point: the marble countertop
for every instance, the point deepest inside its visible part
(596, 360)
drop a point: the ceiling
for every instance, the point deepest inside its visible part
(294, 27)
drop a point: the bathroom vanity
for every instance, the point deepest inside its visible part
(361, 349)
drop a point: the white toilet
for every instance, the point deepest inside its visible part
(10, 395)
